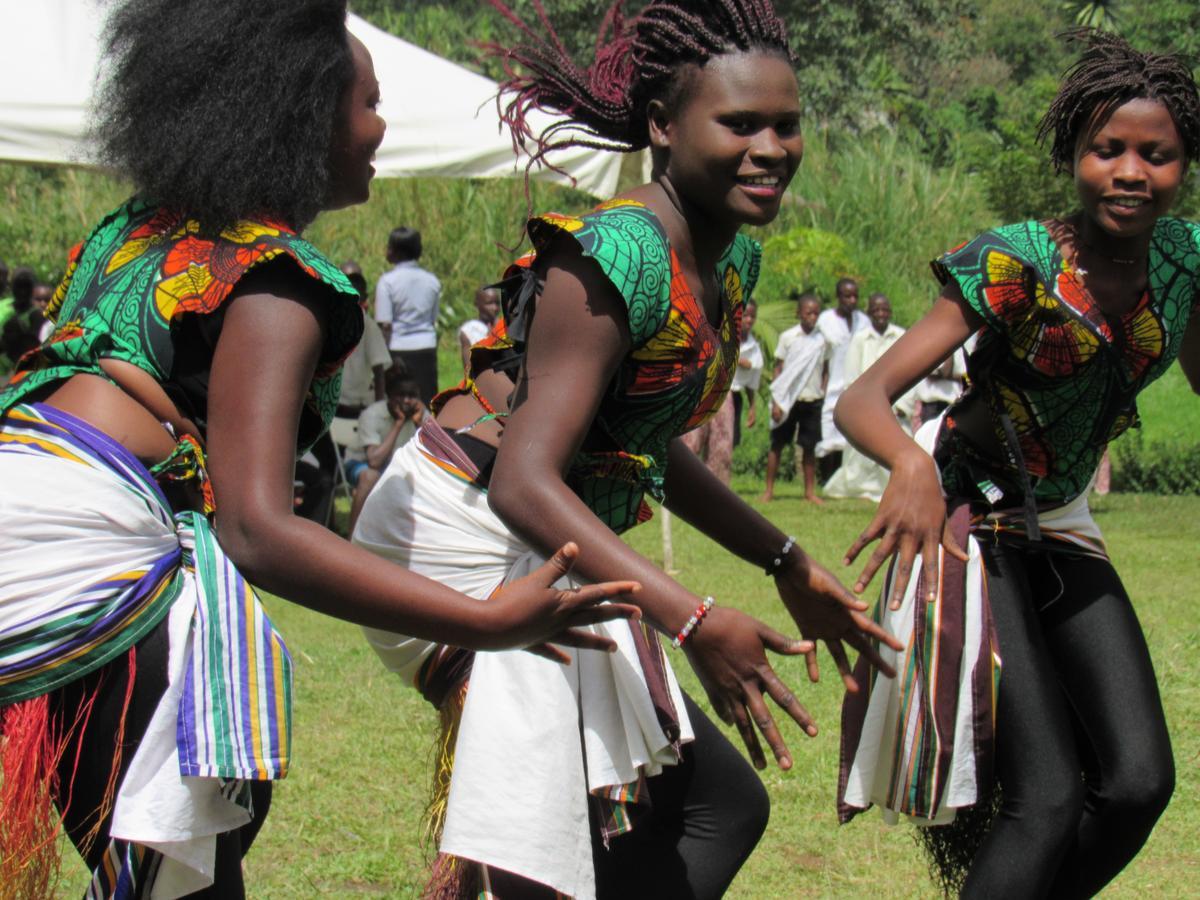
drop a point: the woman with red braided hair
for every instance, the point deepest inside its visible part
(621, 333)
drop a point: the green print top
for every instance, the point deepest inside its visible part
(1067, 375)
(679, 369)
(130, 285)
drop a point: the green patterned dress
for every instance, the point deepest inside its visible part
(679, 369)
(143, 269)
(1066, 375)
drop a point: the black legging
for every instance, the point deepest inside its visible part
(83, 793)
(1082, 751)
(705, 818)
(707, 814)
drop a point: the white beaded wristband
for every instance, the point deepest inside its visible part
(777, 562)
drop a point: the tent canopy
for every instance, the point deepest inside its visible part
(442, 118)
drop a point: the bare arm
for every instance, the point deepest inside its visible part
(821, 606)
(255, 405)
(911, 515)
(577, 340)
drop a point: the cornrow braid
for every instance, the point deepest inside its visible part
(1108, 74)
(636, 61)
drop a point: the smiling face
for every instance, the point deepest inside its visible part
(357, 133)
(1128, 170)
(734, 142)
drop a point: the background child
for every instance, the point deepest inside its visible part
(797, 393)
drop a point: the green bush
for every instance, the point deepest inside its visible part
(1155, 467)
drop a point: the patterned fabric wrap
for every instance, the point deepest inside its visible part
(235, 718)
(144, 267)
(55, 630)
(680, 368)
(920, 745)
(1066, 375)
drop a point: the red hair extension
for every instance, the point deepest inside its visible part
(604, 106)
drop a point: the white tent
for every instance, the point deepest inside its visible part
(441, 117)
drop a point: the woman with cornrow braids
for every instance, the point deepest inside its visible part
(620, 334)
(1075, 317)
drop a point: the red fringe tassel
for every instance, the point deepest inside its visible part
(32, 745)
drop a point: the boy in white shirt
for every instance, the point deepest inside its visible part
(797, 393)
(383, 426)
(487, 309)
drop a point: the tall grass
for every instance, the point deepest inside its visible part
(890, 208)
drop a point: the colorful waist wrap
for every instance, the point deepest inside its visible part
(91, 559)
(536, 738)
(920, 745)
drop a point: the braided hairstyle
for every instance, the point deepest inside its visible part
(1108, 74)
(637, 60)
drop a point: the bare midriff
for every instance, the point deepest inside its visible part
(464, 410)
(131, 409)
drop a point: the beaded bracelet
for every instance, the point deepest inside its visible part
(777, 562)
(696, 619)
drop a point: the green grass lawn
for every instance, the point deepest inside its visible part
(346, 822)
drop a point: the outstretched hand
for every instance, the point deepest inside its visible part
(532, 613)
(911, 519)
(727, 652)
(825, 611)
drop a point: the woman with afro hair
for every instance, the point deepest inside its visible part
(1031, 663)
(147, 451)
(620, 334)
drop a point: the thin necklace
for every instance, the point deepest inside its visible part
(1080, 242)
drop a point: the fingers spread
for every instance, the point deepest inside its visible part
(878, 557)
(814, 669)
(951, 544)
(873, 531)
(870, 628)
(551, 653)
(766, 725)
(781, 694)
(838, 652)
(591, 594)
(781, 643)
(585, 640)
(741, 721)
(871, 654)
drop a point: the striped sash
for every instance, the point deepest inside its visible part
(235, 718)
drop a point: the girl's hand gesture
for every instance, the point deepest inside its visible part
(825, 611)
(728, 653)
(911, 519)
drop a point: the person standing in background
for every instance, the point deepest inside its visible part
(858, 476)
(406, 308)
(42, 293)
(797, 392)
(487, 309)
(838, 324)
(749, 372)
